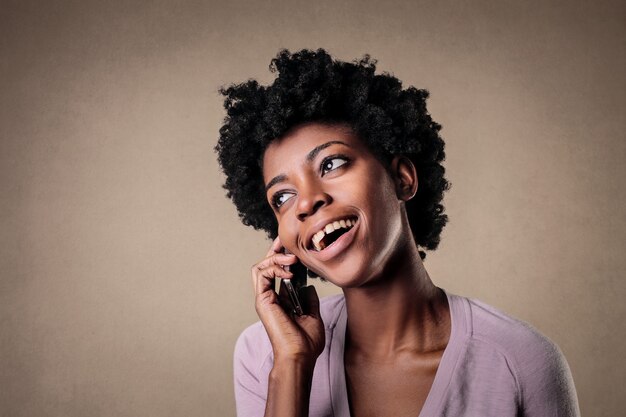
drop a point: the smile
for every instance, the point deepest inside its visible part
(331, 232)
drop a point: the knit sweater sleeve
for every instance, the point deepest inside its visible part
(546, 381)
(250, 377)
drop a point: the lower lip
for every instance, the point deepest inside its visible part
(338, 245)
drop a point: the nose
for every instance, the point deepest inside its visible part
(310, 200)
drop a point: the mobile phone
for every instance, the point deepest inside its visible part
(293, 285)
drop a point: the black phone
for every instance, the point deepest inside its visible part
(293, 285)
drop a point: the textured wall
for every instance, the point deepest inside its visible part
(124, 273)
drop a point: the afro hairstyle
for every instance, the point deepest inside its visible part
(311, 86)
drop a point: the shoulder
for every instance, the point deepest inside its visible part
(505, 332)
(535, 361)
(521, 343)
(253, 343)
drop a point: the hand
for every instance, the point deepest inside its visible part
(293, 337)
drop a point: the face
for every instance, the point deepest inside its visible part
(320, 178)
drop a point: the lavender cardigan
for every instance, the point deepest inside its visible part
(494, 366)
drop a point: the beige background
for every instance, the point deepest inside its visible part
(125, 271)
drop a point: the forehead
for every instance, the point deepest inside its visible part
(292, 149)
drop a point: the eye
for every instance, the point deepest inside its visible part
(332, 163)
(281, 198)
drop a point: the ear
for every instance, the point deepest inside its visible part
(405, 177)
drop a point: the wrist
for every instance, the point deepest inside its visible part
(301, 362)
(289, 387)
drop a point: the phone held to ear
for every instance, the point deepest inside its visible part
(294, 284)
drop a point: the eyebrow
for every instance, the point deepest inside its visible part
(309, 158)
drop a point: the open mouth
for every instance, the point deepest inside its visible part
(331, 232)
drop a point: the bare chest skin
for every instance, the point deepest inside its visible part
(398, 387)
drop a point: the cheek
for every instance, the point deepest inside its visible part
(287, 235)
(282, 233)
(384, 206)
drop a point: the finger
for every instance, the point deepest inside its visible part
(276, 321)
(283, 297)
(275, 247)
(277, 259)
(266, 278)
(281, 259)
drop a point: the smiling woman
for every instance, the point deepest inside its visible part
(328, 175)
(342, 167)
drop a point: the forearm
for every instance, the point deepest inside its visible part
(289, 389)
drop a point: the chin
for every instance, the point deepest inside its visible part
(348, 276)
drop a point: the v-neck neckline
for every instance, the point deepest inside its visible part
(460, 328)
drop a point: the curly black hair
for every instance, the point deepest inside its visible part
(313, 87)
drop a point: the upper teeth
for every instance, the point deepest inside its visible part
(329, 228)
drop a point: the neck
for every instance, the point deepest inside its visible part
(400, 311)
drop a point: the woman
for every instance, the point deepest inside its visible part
(342, 167)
